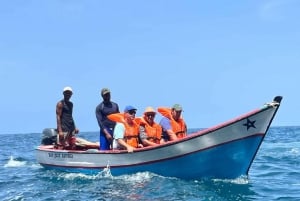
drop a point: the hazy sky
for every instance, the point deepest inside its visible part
(218, 59)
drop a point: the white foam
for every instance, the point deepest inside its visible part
(239, 180)
(14, 163)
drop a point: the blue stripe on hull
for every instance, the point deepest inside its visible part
(230, 160)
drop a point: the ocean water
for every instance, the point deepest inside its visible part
(274, 175)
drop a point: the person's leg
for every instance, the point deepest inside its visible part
(104, 144)
(110, 143)
(61, 140)
(70, 140)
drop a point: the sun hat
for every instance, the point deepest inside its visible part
(68, 89)
(149, 110)
(177, 107)
(128, 108)
(105, 91)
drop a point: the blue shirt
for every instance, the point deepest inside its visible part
(165, 124)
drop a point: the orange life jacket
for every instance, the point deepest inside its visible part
(116, 117)
(178, 127)
(153, 132)
(131, 135)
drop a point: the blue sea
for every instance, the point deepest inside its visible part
(274, 175)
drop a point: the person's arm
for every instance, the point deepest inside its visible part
(166, 126)
(107, 135)
(124, 144)
(119, 132)
(148, 143)
(76, 129)
(117, 106)
(59, 107)
(172, 135)
(143, 136)
(100, 118)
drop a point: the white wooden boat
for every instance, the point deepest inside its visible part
(226, 150)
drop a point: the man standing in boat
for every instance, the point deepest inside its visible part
(105, 108)
(174, 127)
(65, 123)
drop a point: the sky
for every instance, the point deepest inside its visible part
(218, 59)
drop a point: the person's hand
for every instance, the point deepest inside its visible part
(109, 137)
(61, 138)
(61, 135)
(172, 135)
(130, 149)
(140, 146)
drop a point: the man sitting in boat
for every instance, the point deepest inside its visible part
(126, 132)
(149, 131)
(172, 123)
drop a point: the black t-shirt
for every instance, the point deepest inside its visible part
(103, 110)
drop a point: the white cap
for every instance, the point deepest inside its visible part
(68, 89)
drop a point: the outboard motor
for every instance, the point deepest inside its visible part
(49, 136)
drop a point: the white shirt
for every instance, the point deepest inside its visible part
(119, 132)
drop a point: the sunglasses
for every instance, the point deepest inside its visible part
(131, 112)
(150, 114)
(68, 92)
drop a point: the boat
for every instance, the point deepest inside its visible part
(224, 151)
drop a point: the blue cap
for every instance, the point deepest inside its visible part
(128, 108)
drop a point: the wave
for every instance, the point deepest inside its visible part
(14, 163)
